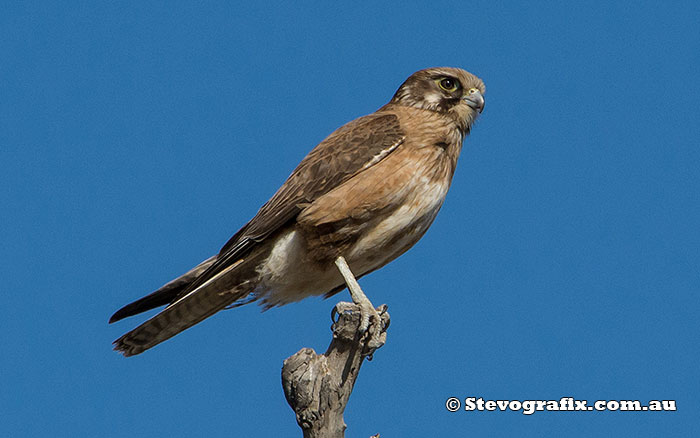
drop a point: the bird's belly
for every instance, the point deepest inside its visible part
(289, 274)
(399, 231)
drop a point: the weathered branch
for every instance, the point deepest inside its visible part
(318, 387)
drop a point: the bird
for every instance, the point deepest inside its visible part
(357, 201)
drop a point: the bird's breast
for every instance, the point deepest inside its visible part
(396, 232)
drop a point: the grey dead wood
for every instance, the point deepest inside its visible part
(317, 387)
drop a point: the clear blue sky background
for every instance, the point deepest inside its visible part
(135, 140)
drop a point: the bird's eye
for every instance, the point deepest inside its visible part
(448, 84)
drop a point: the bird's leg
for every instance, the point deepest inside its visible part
(370, 321)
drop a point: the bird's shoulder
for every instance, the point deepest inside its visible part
(356, 140)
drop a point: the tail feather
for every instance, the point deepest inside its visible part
(228, 286)
(163, 296)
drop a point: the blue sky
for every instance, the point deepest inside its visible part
(135, 140)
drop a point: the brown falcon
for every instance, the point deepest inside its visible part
(362, 197)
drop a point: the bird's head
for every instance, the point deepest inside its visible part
(444, 89)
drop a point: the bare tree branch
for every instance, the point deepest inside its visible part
(318, 387)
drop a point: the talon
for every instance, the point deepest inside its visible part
(334, 313)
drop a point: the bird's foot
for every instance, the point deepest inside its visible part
(369, 328)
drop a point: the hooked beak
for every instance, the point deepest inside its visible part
(475, 100)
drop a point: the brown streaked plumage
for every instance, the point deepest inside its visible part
(367, 193)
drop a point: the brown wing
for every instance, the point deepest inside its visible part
(348, 151)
